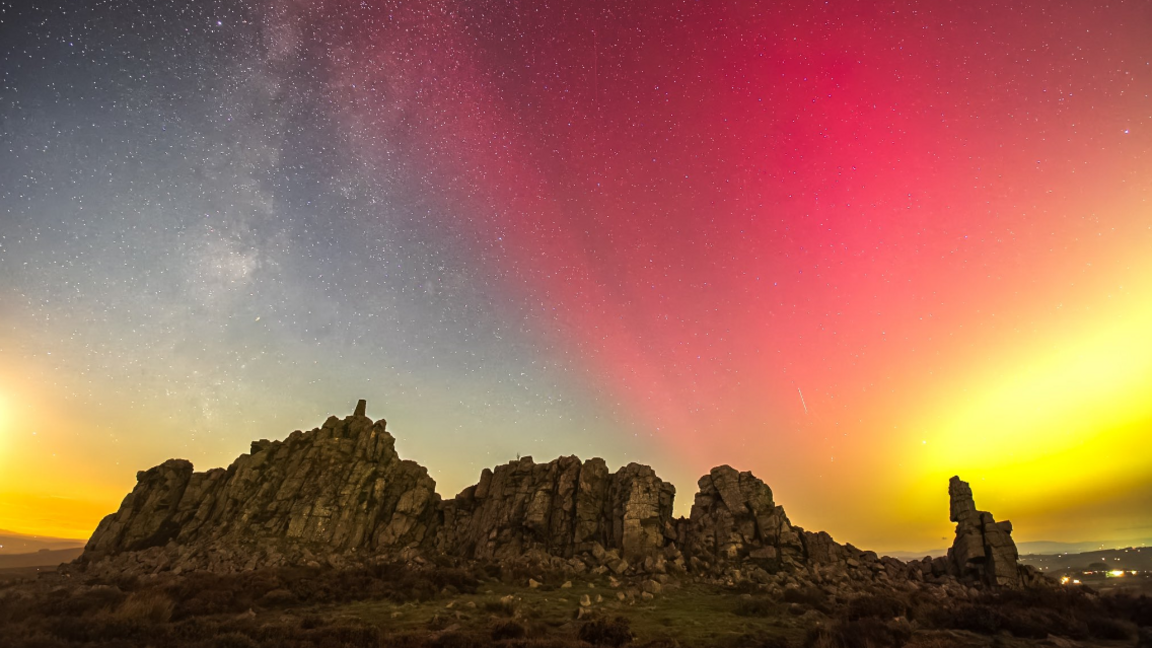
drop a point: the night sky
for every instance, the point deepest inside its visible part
(854, 247)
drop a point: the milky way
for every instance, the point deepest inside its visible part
(853, 247)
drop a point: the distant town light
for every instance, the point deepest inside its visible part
(1116, 573)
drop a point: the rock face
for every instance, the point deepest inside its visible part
(983, 547)
(338, 488)
(340, 495)
(734, 517)
(562, 507)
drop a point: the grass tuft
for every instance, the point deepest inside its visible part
(601, 632)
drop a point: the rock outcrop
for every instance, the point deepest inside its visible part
(734, 517)
(339, 495)
(335, 489)
(562, 507)
(983, 547)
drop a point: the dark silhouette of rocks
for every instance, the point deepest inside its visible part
(734, 517)
(562, 507)
(335, 489)
(340, 496)
(983, 547)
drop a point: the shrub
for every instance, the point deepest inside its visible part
(347, 636)
(407, 640)
(311, 621)
(126, 582)
(810, 596)
(200, 594)
(1105, 628)
(600, 632)
(1031, 615)
(669, 642)
(14, 608)
(148, 606)
(36, 640)
(72, 603)
(876, 606)
(760, 640)
(1038, 623)
(507, 630)
(981, 619)
(865, 633)
(278, 597)
(755, 607)
(235, 640)
(454, 640)
(1137, 609)
(500, 608)
(1066, 602)
(194, 629)
(103, 628)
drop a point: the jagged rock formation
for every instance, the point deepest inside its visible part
(734, 517)
(338, 488)
(983, 547)
(340, 495)
(562, 507)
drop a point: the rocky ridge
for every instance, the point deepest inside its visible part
(340, 487)
(339, 496)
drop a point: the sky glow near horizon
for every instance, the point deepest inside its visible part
(633, 230)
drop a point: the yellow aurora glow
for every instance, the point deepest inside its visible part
(1062, 430)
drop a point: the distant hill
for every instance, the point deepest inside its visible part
(1037, 548)
(19, 543)
(907, 556)
(42, 558)
(1042, 547)
(1131, 558)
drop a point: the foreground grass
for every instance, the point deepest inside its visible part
(693, 614)
(401, 607)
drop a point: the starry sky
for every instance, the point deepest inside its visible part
(854, 247)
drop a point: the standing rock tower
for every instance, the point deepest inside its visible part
(983, 547)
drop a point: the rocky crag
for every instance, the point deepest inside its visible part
(562, 508)
(340, 487)
(983, 548)
(339, 496)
